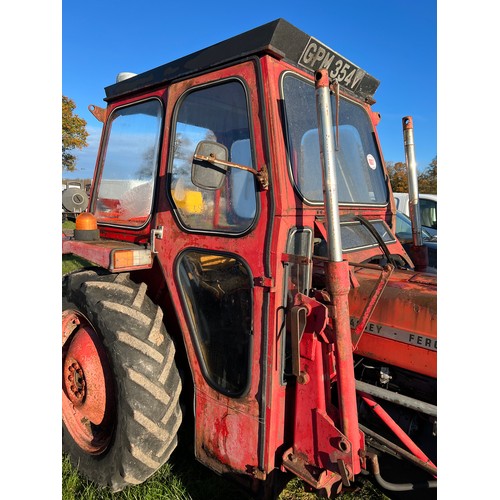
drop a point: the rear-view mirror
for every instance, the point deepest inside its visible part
(206, 171)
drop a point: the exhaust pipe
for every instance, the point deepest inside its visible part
(411, 166)
(420, 254)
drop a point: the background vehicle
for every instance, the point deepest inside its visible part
(289, 324)
(75, 199)
(428, 209)
(404, 234)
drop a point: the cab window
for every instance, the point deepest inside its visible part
(217, 113)
(217, 293)
(129, 163)
(359, 171)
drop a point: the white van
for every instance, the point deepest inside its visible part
(428, 209)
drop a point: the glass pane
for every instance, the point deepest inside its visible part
(355, 236)
(299, 244)
(218, 114)
(428, 211)
(359, 172)
(217, 292)
(403, 227)
(125, 191)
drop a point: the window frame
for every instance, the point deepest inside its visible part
(320, 203)
(102, 157)
(193, 328)
(174, 120)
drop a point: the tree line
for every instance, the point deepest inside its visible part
(74, 134)
(398, 175)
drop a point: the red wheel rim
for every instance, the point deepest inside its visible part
(87, 398)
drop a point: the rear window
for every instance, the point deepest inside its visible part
(129, 163)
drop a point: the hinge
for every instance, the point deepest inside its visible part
(156, 233)
(263, 178)
(264, 281)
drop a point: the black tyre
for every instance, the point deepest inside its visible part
(121, 386)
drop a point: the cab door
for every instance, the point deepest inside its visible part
(212, 254)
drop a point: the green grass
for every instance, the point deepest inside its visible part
(68, 224)
(72, 262)
(182, 478)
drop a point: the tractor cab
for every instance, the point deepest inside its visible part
(242, 209)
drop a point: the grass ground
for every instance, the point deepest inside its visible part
(182, 478)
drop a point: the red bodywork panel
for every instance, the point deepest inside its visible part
(403, 328)
(101, 251)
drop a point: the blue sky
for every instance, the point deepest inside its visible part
(393, 40)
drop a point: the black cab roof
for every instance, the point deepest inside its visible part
(279, 38)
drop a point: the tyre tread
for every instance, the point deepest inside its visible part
(151, 411)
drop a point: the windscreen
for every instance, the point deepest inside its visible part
(359, 172)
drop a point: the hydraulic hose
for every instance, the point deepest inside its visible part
(380, 241)
(422, 485)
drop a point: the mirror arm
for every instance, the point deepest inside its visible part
(262, 175)
(98, 112)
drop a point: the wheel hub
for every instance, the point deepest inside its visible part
(87, 396)
(75, 383)
(84, 379)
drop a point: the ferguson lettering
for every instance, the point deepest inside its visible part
(423, 341)
(399, 335)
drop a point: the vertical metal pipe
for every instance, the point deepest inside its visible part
(338, 285)
(327, 152)
(337, 275)
(411, 165)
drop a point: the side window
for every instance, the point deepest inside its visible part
(216, 113)
(428, 211)
(125, 189)
(217, 293)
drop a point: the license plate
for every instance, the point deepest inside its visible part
(318, 56)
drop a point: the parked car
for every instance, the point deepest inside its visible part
(428, 209)
(404, 234)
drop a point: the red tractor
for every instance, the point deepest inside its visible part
(241, 230)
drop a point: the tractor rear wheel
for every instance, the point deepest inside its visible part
(120, 387)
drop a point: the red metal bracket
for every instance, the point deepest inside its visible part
(316, 477)
(385, 274)
(264, 281)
